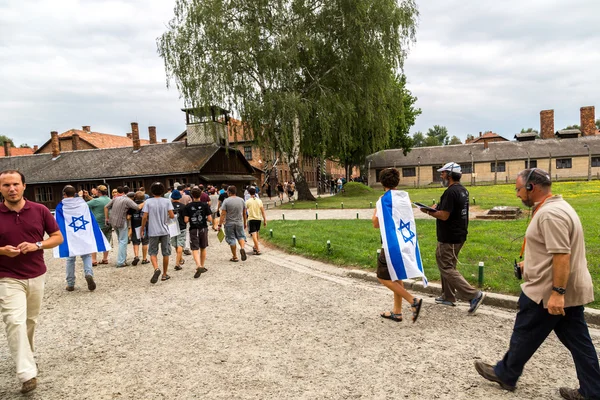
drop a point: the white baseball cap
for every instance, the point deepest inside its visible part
(451, 167)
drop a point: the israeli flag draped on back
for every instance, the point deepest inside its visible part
(79, 228)
(399, 236)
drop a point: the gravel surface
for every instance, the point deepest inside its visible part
(273, 327)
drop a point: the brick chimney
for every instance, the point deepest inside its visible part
(86, 128)
(35, 148)
(135, 136)
(152, 134)
(164, 140)
(547, 124)
(587, 123)
(7, 149)
(55, 144)
(75, 141)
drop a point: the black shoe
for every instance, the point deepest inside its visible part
(476, 302)
(90, 282)
(178, 268)
(198, 273)
(145, 262)
(155, 276)
(70, 288)
(135, 261)
(203, 270)
(570, 394)
(187, 252)
(243, 253)
(487, 371)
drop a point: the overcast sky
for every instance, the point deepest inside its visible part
(477, 66)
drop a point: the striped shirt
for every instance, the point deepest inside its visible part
(119, 206)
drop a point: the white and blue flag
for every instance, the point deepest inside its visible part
(79, 228)
(399, 236)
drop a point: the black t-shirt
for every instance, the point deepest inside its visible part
(198, 212)
(455, 200)
(222, 197)
(136, 216)
(178, 209)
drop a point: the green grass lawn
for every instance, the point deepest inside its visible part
(354, 243)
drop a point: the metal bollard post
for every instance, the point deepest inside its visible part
(370, 204)
(480, 273)
(317, 216)
(283, 216)
(316, 206)
(271, 232)
(356, 215)
(329, 246)
(293, 204)
(294, 240)
(342, 205)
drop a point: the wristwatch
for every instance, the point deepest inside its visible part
(559, 289)
(39, 245)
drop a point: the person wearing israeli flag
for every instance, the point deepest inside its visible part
(400, 257)
(82, 234)
(452, 221)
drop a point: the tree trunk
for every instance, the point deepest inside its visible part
(304, 192)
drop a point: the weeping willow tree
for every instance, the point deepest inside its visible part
(306, 77)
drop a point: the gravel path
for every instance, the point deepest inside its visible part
(273, 327)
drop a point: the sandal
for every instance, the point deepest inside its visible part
(393, 316)
(257, 253)
(234, 259)
(144, 262)
(103, 262)
(416, 307)
(94, 264)
(178, 268)
(165, 277)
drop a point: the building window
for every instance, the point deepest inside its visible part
(377, 172)
(133, 185)
(43, 194)
(467, 168)
(533, 164)
(501, 166)
(408, 172)
(563, 163)
(248, 152)
(595, 161)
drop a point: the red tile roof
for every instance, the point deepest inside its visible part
(102, 140)
(487, 136)
(17, 151)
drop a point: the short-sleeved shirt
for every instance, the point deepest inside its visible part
(136, 216)
(158, 215)
(179, 211)
(28, 225)
(214, 202)
(455, 200)
(556, 229)
(253, 205)
(97, 208)
(234, 206)
(198, 212)
(222, 197)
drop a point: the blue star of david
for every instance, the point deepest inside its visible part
(407, 234)
(76, 227)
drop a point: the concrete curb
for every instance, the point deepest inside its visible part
(592, 315)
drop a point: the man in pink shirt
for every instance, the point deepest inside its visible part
(23, 225)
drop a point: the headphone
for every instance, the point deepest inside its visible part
(529, 186)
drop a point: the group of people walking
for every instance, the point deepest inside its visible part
(557, 283)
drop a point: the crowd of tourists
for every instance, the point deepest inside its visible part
(557, 283)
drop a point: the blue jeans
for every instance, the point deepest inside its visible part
(532, 327)
(122, 237)
(87, 268)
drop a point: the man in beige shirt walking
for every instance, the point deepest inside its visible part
(557, 285)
